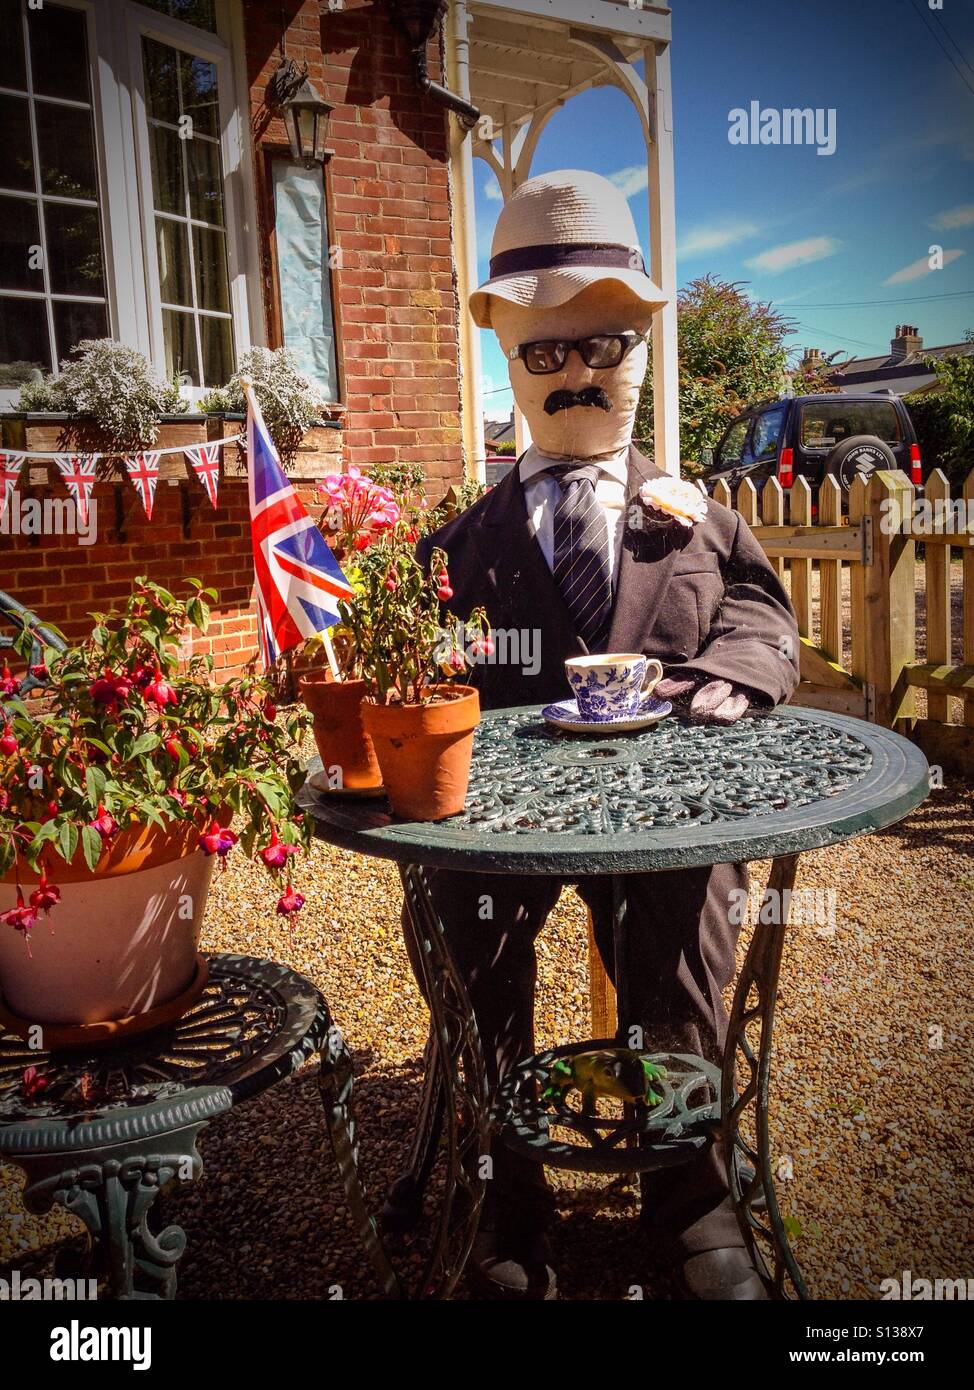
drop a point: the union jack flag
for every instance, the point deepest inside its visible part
(143, 469)
(10, 465)
(204, 459)
(298, 580)
(78, 471)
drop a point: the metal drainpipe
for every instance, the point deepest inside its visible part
(457, 47)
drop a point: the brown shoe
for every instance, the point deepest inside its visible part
(721, 1274)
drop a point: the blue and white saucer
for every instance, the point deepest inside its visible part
(565, 715)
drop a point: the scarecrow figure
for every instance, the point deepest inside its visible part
(590, 545)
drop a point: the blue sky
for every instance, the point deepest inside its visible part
(804, 229)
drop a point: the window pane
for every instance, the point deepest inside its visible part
(301, 230)
(72, 322)
(173, 251)
(202, 13)
(12, 45)
(18, 233)
(16, 159)
(210, 254)
(67, 149)
(205, 183)
(166, 156)
(59, 52)
(24, 344)
(179, 339)
(200, 94)
(161, 66)
(74, 250)
(217, 351)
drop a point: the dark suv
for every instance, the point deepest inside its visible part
(810, 436)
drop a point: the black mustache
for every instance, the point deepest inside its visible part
(589, 395)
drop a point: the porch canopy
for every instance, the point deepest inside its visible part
(520, 61)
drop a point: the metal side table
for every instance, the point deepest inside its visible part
(674, 796)
(109, 1127)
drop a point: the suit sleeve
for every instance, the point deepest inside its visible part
(753, 641)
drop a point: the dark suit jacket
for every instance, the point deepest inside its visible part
(704, 601)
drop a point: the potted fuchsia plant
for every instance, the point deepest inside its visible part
(122, 783)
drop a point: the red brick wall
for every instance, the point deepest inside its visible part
(397, 307)
(390, 218)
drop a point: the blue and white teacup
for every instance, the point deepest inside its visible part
(611, 686)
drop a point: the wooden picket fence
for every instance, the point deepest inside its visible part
(853, 581)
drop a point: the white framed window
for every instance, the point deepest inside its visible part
(126, 200)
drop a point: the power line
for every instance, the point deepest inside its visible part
(941, 23)
(826, 333)
(940, 44)
(873, 303)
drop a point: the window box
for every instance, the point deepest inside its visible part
(57, 431)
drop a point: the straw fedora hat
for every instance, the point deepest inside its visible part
(557, 234)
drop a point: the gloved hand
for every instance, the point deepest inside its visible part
(716, 702)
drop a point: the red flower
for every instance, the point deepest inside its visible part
(391, 583)
(32, 1083)
(270, 710)
(158, 691)
(39, 671)
(8, 743)
(45, 895)
(110, 690)
(105, 823)
(217, 840)
(275, 854)
(173, 747)
(290, 902)
(362, 541)
(444, 592)
(8, 685)
(21, 918)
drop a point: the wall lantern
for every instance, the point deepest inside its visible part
(306, 113)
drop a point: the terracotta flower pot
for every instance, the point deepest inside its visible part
(122, 942)
(338, 729)
(424, 752)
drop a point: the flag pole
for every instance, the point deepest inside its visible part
(330, 653)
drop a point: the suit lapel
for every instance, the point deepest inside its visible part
(645, 566)
(517, 570)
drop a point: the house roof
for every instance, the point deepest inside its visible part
(912, 364)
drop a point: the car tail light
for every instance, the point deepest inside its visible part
(916, 470)
(786, 465)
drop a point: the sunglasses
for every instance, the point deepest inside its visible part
(599, 351)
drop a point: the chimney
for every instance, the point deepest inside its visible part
(906, 341)
(812, 360)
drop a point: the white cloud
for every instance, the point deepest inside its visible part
(633, 179)
(492, 190)
(794, 253)
(954, 217)
(703, 239)
(917, 269)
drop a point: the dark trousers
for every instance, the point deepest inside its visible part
(680, 958)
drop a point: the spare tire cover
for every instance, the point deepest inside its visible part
(861, 454)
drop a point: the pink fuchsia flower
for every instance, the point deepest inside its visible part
(8, 742)
(444, 592)
(105, 823)
(110, 690)
(32, 1083)
(21, 918)
(276, 853)
(269, 711)
(290, 902)
(45, 896)
(158, 691)
(481, 646)
(8, 685)
(39, 671)
(217, 840)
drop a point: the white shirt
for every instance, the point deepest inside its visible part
(542, 493)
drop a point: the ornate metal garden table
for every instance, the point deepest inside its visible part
(101, 1131)
(678, 795)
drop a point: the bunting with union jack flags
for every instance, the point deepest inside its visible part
(204, 459)
(78, 471)
(10, 466)
(298, 580)
(143, 469)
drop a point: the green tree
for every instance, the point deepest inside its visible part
(943, 417)
(732, 353)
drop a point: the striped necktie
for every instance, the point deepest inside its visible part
(580, 563)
